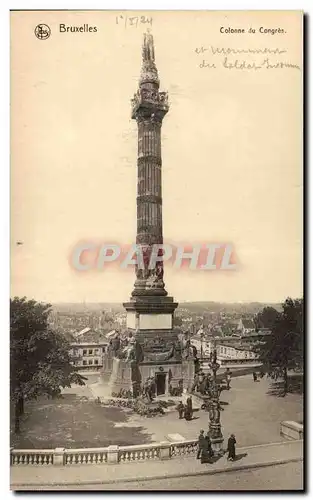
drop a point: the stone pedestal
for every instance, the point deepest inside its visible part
(120, 376)
(112, 454)
(58, 456)
(165, 450)
(217, 446)
(107, 367)
(291, 430)
(216, 437)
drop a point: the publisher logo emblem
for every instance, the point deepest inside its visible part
(42, 31)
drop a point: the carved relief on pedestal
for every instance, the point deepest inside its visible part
(157, 344)
(161, 349)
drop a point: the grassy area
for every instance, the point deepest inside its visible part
(74, 422)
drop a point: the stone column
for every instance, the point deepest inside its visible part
(149, 106)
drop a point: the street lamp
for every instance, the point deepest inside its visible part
(215, 428)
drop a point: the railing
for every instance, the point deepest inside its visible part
(32, 457)
(139, 453)
(184, 449)
(110, 454)
(85, 456)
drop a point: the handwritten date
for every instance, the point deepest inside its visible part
(132, 21)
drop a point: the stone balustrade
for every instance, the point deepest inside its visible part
(85, 456)
(184, 448)
(111, 454)
(32, 457)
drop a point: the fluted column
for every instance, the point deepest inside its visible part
(149, 106)
(149, 205)
(149, 190)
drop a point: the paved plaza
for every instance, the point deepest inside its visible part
(279, 477)
(77, 421)
(250, 413)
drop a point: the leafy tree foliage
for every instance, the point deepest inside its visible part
(266, 318)
(40, 363)
(283, 350)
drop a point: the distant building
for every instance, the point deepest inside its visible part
(245, 326)
(235, 352)
(88, 355)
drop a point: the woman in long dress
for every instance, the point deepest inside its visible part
(231, 448)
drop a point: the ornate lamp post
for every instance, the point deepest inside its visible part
(215, 428)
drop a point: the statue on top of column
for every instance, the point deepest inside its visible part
(149, 72)
(148, 48)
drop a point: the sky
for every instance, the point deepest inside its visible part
(231, 151)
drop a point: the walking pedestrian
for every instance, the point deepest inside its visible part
(255, 377)
(201, 444)
(228, 378)
(231, 448)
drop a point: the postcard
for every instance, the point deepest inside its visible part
(156, 310)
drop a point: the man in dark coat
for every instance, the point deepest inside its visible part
(180, 408)
(188, 409)
(207, 451)
(231, 448)
(201, 444)
(207, 437)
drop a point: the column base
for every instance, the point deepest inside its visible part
(217, 438)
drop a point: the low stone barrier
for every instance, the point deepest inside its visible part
(291, 430)
(109, 455)
(32, 457)
(85, 456)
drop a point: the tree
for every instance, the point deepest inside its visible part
(266, 318)
(177, 321)
(283, 349)
(40, 362)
